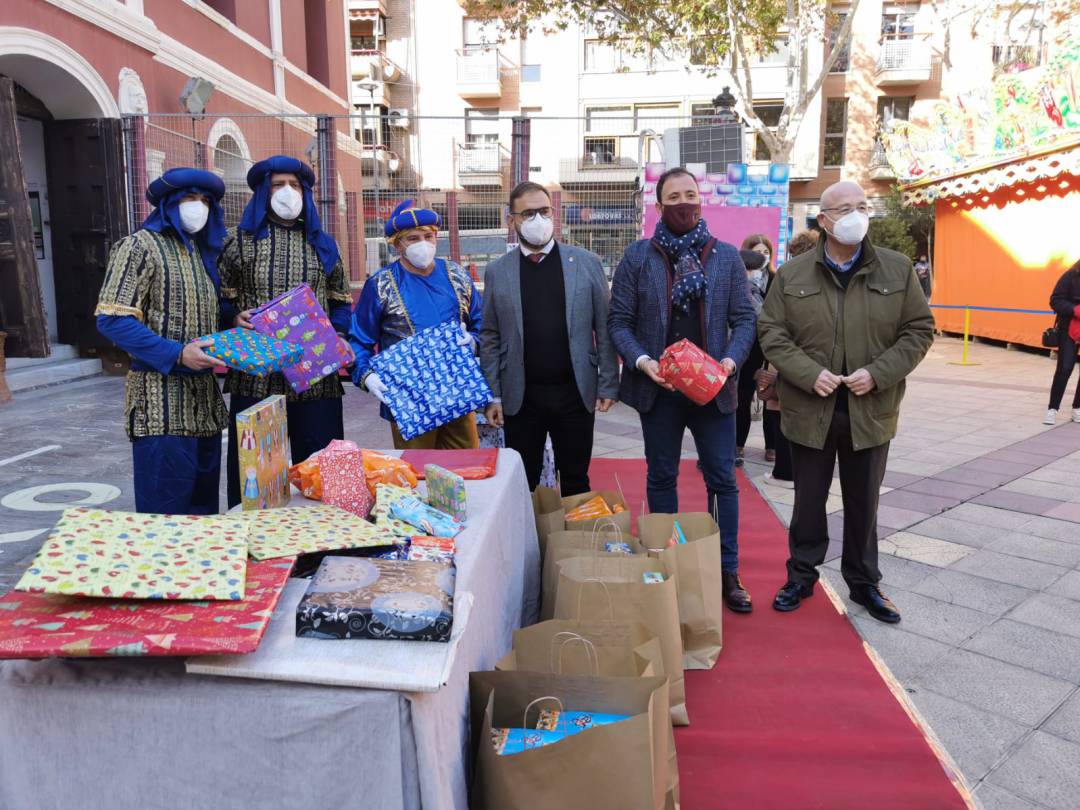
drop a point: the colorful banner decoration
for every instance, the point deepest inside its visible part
(1017, 115)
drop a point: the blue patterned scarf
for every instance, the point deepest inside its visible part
(683, 251)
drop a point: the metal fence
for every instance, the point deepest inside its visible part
(463, 167)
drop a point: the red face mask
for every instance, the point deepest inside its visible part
(681, 218)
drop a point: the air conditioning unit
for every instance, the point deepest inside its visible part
(399, 118)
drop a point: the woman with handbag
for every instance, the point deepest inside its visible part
(1065, 301)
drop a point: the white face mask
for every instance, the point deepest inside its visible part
(193, 215)
(287, 202)
(420, 254)
(851, 228)
(537, 231)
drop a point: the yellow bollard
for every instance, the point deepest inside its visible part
(967, 337)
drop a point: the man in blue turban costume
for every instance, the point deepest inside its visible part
(407, 296)
(279, 245)
(161, 292)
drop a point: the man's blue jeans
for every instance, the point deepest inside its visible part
(714, 435)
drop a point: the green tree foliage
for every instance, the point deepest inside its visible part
(892, 232)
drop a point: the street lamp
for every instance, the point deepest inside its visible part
(724, 107)
(371, 86)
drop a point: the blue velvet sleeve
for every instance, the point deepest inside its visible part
(476, 312)
(365, 330)
(340, 317)
(135, 338)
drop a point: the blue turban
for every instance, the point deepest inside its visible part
(405, 218)
(166, 193)
(255, 218)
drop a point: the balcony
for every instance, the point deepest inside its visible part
(903, 61)
(378, 163)
(478, 73)
(372, 64)
(480, 165)
(879, 168)
(597, 169)
(361, 9)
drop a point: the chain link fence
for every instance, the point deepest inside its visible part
(463, 167)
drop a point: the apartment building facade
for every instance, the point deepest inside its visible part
(91, 103)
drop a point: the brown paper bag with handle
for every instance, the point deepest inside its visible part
(698, 585)
(621, 765)
(590, 587)
(621, 519)
(566, 544)
(549, 514)
(607, 648)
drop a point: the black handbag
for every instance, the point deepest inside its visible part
(1050, 338)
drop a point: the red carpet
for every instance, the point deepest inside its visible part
(794, 714)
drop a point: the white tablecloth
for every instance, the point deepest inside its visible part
(141, 734)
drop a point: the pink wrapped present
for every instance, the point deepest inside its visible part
(341, 465)
(297, 318)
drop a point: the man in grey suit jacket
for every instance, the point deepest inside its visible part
(544, 344)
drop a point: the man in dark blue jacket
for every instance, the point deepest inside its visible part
(680, 284)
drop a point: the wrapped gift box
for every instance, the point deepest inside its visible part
(297, 318)
(472, 465)
(342, 468)
(298, 530)
(125, 555)
(694, 374)
(378, 599)
(263, 434)
(35, 625)
(446, 491)
(430, 380)
(385, 495)
(428, 519)
(252, 352)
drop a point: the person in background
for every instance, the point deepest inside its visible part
(278, 245)
(844, 326)
(412, 293)
(922, 270)
(684, 284)
(1065, 301)
(160, 294)
(544, 343)
(760, 272)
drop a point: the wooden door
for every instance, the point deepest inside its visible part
(86, 199)
(22, 312)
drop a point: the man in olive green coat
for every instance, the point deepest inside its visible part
(844, 325)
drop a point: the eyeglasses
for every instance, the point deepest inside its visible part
(529, 213)
(844, 210)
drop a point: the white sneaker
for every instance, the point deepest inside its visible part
(1076, 414)
(1051, 417)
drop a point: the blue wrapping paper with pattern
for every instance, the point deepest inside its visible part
(430, 380)
(252, 352)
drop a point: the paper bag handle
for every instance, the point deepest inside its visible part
(590, 653)
(601, 525)
(525, 716)
(602, 584)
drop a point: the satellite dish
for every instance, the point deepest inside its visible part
(195, 95)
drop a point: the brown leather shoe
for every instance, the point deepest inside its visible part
(770, 456)
(736, 597)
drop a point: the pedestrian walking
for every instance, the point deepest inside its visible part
(1065, 301)
(278, 245)
(844, 325)
(415, 291)
(685, 284)
(161, 293)
(544, 343)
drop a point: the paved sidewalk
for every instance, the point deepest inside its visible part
(980, 540)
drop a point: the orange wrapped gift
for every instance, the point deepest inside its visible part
(694, 374)
(380, 468)
(307, 478)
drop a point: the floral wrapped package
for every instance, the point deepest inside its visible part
(307, 529)
(37, 625)
(446, 491)
(125, 555)
(430, 380)
(695, 375)
(296, 317)
(341, 465)
(352, 597)
(252, 352)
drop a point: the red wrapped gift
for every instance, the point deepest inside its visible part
(472, 465)
(39, 625)
(693, 373)
(341, 466)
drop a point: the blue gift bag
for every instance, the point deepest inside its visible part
(430, 379)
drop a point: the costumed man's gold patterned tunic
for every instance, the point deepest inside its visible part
(154, 278)
(254, 272)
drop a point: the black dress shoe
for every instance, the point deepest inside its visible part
(791, 595)
(876, 603)
(736, 596)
